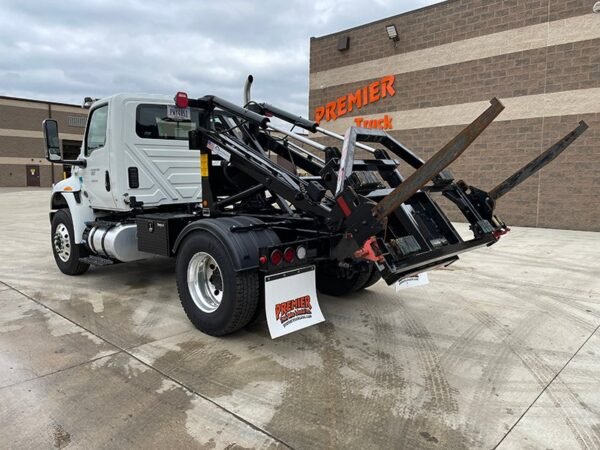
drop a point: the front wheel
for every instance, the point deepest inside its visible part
(217, 299)
(66, 252)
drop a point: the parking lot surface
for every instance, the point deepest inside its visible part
(500, 349)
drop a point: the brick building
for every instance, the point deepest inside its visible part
(541, 58)
(22, 161)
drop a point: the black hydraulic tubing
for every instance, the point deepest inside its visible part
(239, 111)
(275, 178)
(299, 121)
(264, 161)
(297, 149)
(241, 195)
(308, 125)
(298, 137)
(298, 156)
(339, 137)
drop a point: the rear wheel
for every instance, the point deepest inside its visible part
(66, 252)
(217, 299)
(374, 277)
(337, 282)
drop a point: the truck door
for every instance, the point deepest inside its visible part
(97, 177)
(157, 165)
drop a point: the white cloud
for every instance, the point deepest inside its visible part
(69, 49)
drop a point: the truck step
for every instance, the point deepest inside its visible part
(96, 260)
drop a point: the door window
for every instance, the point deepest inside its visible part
(96, 137)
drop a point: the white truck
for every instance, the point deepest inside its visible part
(195, 179)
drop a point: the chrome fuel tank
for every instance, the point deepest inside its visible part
(118, 241)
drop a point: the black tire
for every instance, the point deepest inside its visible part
(240, 291)
(330, 282)
(69, 265)
(373, 278)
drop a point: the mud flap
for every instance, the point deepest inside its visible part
(291, 302)
(420, 279)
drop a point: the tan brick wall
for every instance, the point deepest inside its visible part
(46, 174)
(21, 147)
(16, 118)
(15, 175)
(569, 187)
(553, 69)
(439, 24)
(21, 138)
(551, 73)
(63, 124)
(563, 195)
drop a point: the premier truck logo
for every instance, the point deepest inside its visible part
(293, 310)
(371, 93)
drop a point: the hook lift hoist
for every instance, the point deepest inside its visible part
(249, 233)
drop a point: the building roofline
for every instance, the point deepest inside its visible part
(385, 19)
(45, 102)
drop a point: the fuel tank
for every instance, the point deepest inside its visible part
(117, 241)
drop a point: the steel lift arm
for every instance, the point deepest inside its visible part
(366, 208)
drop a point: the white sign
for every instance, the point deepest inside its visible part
(218, 150)
(416, 280)
(179, 114)
(291, 301)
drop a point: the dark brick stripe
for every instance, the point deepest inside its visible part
(22, 147)
(446, 22)
(16, 118)
(569, 67)
(15, 175)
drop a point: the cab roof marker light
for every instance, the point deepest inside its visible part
(181, 100)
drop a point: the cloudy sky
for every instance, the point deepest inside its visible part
(68, 49)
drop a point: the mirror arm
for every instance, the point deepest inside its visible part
(71, 162)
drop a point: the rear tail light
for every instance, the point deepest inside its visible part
(181, 100)
(288, 255)
(301, 252)
(276, 257)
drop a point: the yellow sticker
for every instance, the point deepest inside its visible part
(204, 165)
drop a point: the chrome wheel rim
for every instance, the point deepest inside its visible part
(62, 243)
(205, 282)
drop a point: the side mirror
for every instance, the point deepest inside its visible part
(51, 141)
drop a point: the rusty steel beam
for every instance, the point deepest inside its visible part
(531, 168)
(437, 162)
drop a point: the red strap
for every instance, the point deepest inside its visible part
(343, 206)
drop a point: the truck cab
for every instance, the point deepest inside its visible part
(133, 150)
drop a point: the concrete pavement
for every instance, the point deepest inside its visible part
(501, 349)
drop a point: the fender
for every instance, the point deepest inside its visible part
(66, 194)
(71, 184)
(243, 246)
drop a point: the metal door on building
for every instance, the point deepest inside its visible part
(33, 175)
(70, 150)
